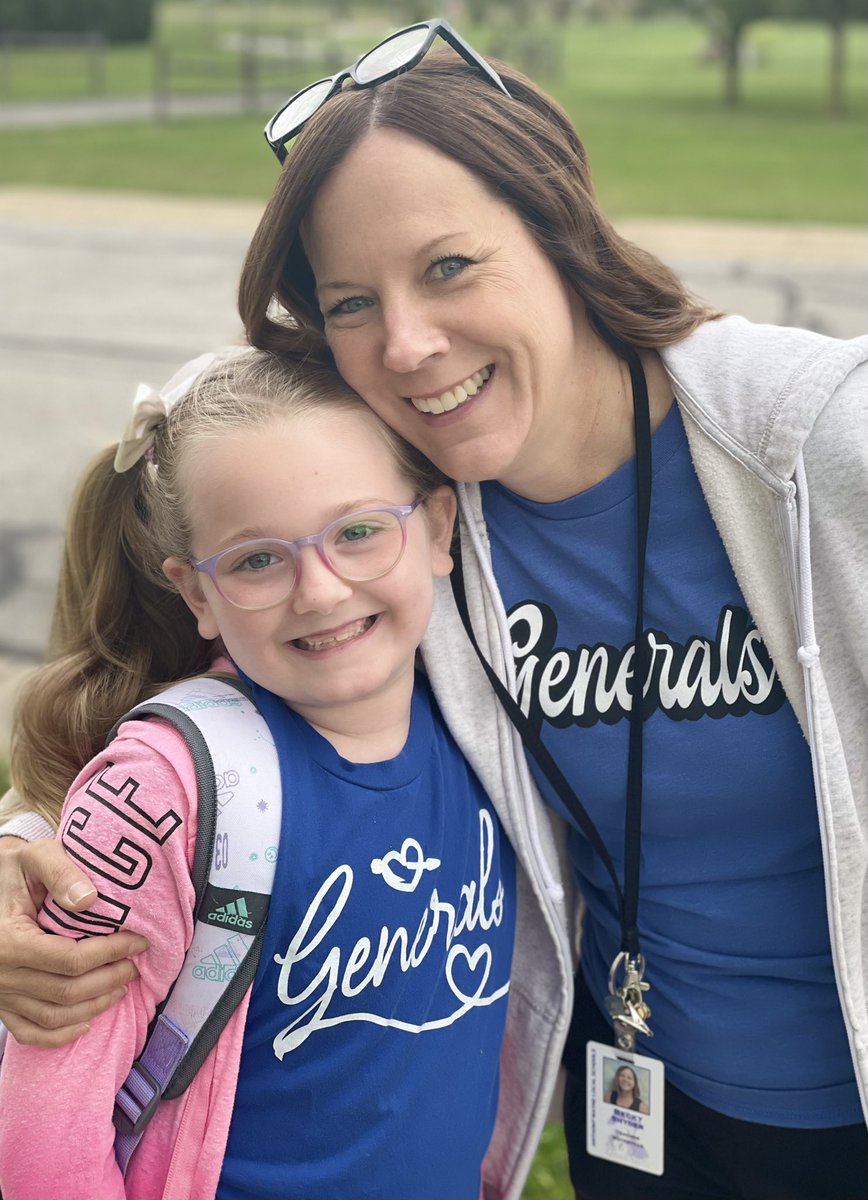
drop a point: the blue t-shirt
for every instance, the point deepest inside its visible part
(732, 910)
(370, 1059)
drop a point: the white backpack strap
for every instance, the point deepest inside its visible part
(239, 796)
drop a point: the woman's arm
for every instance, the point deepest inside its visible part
(128, 817)
(50, 989)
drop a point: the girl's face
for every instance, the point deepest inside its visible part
(626, 1080)
(339, 653)
(442, 311)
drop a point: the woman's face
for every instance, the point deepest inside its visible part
(442, 311)
(626, 1080)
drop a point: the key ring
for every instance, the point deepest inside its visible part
(632, 966)
(626, 1004)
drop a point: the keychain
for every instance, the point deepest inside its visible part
(626, 1005)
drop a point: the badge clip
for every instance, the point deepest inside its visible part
(626, 1004)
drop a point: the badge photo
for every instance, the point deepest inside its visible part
(625, 1108)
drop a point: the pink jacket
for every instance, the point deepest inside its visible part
(56, 1132)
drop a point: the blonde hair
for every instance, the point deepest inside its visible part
(523, 149)
(120, 631)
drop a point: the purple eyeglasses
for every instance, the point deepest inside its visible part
(359, 547)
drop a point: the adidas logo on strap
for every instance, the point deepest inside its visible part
(241, 910)
(235, 912)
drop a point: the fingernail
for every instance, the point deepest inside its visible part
(79, 890)
(80, 1030)
(139, 945)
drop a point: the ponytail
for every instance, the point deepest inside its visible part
(119, 634)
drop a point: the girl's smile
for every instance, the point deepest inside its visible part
(334, 639)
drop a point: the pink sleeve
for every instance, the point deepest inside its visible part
(130, 821)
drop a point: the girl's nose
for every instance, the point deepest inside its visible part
(317, 589)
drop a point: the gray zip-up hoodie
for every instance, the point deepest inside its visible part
(777, 423)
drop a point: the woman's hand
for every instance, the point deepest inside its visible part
(51, 986)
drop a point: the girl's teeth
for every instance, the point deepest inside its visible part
(326, 643)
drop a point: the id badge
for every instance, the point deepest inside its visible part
(625, 1111)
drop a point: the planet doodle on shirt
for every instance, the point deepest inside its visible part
(411, 863)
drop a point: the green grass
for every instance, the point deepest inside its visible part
(202, 45)
(661, 141)
(659, 138)
(549, 1178)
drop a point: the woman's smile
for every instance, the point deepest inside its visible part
(454, 397)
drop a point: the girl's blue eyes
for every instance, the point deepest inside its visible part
(257, 561)
(442, 269)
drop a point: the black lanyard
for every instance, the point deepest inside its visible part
(628, 897)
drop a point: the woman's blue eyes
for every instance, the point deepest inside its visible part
(449, 267)
(442, 269)
(348, 307)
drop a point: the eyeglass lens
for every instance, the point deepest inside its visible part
(391, 54)
(365, 546)
(300, 108)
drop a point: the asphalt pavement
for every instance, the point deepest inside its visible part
(102, 291)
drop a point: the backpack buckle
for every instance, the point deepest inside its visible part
(133, 1109)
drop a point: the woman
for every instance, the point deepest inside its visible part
(437, 234)
(626, 1093)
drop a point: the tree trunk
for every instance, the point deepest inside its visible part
(837, 57)
(731, 63)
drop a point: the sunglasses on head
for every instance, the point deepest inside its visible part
(398, 53)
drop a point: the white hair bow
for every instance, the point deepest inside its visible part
(150, 409)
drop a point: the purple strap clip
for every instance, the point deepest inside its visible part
(143, 1088)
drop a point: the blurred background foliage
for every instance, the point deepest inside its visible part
(750, 109)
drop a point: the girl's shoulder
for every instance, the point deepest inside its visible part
(155, 755)
(141, 785)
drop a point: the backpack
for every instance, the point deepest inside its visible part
(237, 769)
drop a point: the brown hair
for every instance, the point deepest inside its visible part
(524, 150)
(120, 631)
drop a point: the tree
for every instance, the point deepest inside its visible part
(726, 21)
(835, 14)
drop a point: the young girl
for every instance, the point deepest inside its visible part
(304, 537)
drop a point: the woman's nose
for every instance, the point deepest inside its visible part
(317, 588)
(411, 337)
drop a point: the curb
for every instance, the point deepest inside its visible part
(669, 237)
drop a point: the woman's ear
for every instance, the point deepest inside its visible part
(189, 584)
(441, 508)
